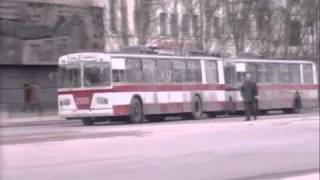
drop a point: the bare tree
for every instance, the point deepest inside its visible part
(238, 13)
(263, 17)
(209, 9)
(308, 12)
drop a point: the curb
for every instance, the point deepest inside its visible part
(314, 176)
(32, 123)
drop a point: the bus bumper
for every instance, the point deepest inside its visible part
(86, 113)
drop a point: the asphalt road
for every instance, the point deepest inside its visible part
(272, 147)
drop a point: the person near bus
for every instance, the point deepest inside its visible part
(35, 97)
(27, 97)
(249, 93)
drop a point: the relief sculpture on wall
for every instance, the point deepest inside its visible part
(38, 33)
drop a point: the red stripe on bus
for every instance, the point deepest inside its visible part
(150, 88)
(289, 86)
(168, 108)
(280, 87)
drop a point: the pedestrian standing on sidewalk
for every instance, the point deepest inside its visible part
(249, 93)
(27, 97)
(35, 98)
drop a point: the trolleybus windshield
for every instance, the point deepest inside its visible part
(84, 74)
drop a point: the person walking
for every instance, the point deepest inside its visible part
(27, 97)
(35, 97)
(249, 93)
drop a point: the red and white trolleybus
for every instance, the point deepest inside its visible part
(138, 87)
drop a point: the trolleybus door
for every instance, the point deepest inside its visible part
(231, 87)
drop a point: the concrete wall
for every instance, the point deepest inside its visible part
(12, 79)
(33, 35)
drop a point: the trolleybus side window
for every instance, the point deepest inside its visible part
(164, 70)
(262, 73)
(118, 75)
(149, 70)
(295, 73)
(253, 70)
(230, 75)
(284, 73)
(193, 71)
(241, 70)
(212, 72)
(307, 73)
(118, 70)
(133, 70)
(179, 71)
(274, 72)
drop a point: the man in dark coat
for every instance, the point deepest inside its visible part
(27, 97)
(249, 93)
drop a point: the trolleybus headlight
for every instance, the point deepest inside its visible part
(101, 100)
(65, 102)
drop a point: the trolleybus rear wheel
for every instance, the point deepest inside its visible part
(196, 108)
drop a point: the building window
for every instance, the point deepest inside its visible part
(174, 25)
(113, 16)
(215, 28)
(195, 25)
(186, 25)
(163, 24)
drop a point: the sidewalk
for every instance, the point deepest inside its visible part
(305, 177)
(29, 119)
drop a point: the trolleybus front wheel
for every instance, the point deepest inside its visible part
(136, 111)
